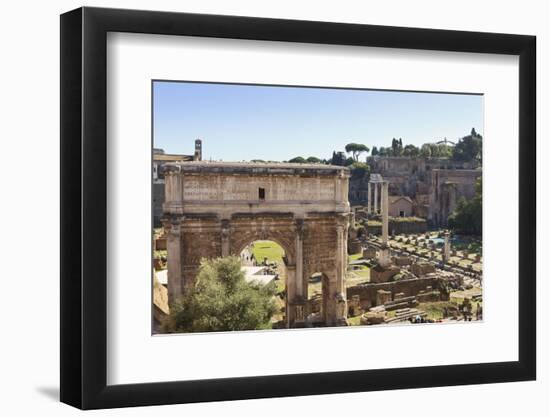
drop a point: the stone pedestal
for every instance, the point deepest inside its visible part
(383, 274)
(384, 257)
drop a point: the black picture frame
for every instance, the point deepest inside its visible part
(84, 207)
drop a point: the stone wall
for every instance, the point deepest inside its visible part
(411, 287)
(434, 184)
(448, 187)
(397, 227)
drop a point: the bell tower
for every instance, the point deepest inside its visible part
(198, 150)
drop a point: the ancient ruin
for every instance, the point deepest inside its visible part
(215, 209)
(427, 188)
(160, 159)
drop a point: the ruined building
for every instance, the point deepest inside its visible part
(428, 187)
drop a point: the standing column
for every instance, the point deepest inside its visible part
(384, 204)
(375, 198)
(368, 198)
(384, 255)
(290, 315)
(446, 247)
(174, 246)
(337, 292)
(225, 237)
(297, 291)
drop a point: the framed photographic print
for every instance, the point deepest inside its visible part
(257, 208)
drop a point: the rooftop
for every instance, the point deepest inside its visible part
(376, 178)
(394, 198)
(256, 168)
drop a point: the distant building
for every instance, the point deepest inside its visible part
(160, 158)
(400, 206)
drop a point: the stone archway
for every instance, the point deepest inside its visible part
(214, 209)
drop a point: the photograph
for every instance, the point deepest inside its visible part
(298, 207)
(245, 208)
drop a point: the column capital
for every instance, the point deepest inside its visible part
(173, 225)
(343, 221)
(299, 224)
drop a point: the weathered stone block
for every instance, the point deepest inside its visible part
(382, 297)
(369, 253)
(422, 268)
(370, 318)
(402, 260)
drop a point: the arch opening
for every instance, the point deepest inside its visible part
(264, 261)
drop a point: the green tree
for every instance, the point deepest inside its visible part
(469, 148)
(374, 151)
(443, 150)
(356, 149)
(468, 215)
(313, 160)
(222, 300)
(426, 150)
(338, 158)
(297, 160)
(349, 161)
(396, 147)
(359, 169)
(411, 151)
(434, 150)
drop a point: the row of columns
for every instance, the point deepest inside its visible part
(384, 256)
(373, 205)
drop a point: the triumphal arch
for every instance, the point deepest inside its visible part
(215, 209)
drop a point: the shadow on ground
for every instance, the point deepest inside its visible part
(50, 392)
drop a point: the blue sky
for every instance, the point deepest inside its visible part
(244, 122)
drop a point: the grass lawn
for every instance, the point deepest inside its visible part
(357, 277)
(435, 309)
(267, 249)
(355, 257)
